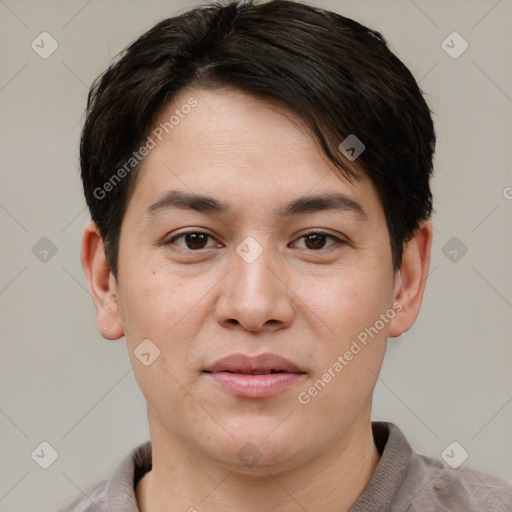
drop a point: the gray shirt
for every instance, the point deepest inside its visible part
(403, 481)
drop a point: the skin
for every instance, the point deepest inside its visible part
(199, 303)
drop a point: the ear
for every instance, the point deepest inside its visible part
(102, 283)
(410, 280)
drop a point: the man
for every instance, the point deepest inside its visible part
(258, 181)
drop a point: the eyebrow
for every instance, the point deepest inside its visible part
(175, 199)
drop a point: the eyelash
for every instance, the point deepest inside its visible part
(171, 240)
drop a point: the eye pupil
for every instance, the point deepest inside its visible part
(192, 239)
(318, 240)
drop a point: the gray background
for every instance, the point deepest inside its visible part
(447, 379)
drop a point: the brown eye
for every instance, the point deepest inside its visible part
(196, 240)
(193, 240)
(315, 240)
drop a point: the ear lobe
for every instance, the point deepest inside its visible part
(411, 280)
(101, 283)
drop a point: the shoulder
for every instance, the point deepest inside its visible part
(117, 494)
(431, 484)
(91, 500)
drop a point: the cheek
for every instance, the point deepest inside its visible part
(346, 301)
(153, 300)
(168, 309)
(348, 305)
(161, 309)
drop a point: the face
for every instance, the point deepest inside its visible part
(257, 270)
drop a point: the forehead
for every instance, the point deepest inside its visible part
(238, 146)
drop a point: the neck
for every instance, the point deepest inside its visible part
(182, 480)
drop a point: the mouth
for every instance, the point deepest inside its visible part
(262, 364)
(255, 372)
(255, 377)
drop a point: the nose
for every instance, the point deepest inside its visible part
(254, 295)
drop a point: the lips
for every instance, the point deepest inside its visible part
(260, 365)
(254, 377)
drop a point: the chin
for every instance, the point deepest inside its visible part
(259, 450)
